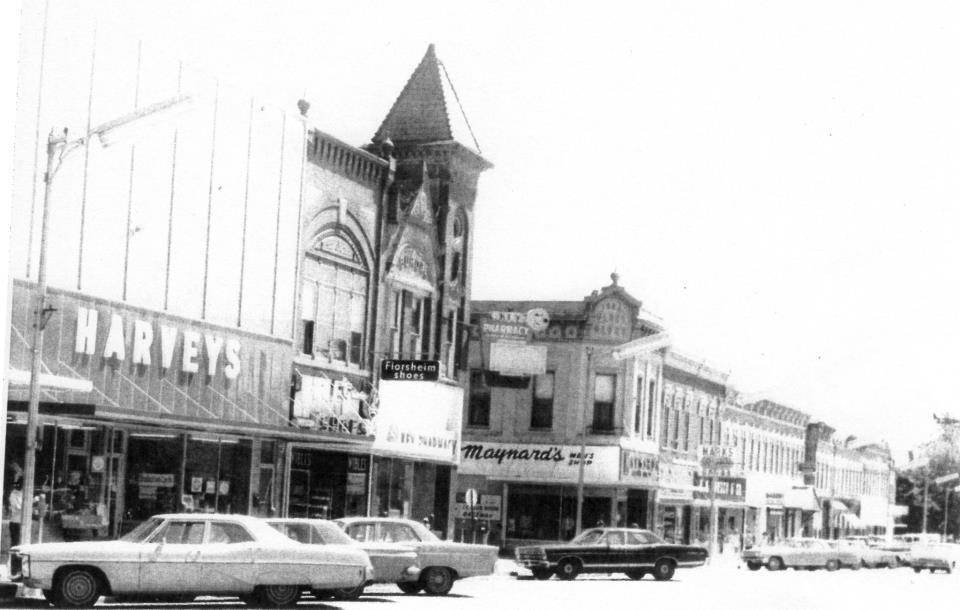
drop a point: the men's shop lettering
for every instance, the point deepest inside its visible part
(547, 454)
(194, 345)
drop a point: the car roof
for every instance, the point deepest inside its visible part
(349, 520)
(201, 516)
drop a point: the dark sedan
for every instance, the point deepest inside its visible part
(634, 552)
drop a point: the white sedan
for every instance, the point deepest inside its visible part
(176, 557)
(391, 562)
(441, 562)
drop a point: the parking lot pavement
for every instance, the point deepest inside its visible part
(701, 588)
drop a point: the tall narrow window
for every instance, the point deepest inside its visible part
(686, 431)
(308, 315)
(703, 428)
(478, 413)
(651, 404)
(664, 426)
(541, 411)
(604, 390)
(675, 434)
(638, 407)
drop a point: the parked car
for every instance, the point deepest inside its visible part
(391, 562)
(809, 553)
(635, 552)
(870, 556)
(176, 557)
(935, 556)
(441, 562)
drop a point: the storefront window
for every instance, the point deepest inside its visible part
(393, 488)
(216, 474)
(325, 485)
(153, 475)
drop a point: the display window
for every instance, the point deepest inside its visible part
(327, 485)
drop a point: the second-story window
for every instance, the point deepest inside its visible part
(541, 411)
(409, 324)
(604, 390)
(478, 409)
(333, 300)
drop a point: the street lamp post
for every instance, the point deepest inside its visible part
(58, 148)
(583, 446)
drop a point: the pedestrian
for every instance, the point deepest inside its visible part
(16, 507)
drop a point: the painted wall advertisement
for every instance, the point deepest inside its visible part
(419, 419)
(151, 363)
(535, 462)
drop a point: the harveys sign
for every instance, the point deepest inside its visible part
(150, 344)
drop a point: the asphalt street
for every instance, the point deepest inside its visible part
(706, 588)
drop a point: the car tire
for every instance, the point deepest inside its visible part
(542, 573)
(437, 581)
(348, 594)
(664, 569)
(568, 569)
(917, 569)
(856, 565)
(278, 596)
(774, 564)
(51, 596)
(77, 588)
(410, 588)
(933, 570)
(753, 566)
(635, 574)
(832, 565)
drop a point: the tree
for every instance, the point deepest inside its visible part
(944, 456)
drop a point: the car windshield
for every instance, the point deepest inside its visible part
(331, 534)
(365, 531)
(140, 533)
(588, 537)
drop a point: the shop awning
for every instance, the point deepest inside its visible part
(803, 498)
(838, 506)
(851, 520)
(18, 377)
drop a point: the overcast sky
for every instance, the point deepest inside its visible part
(779, 183)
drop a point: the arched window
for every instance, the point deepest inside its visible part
(334, 292)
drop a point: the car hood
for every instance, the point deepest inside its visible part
(78, 550)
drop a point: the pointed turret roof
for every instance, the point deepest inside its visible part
(428, 109)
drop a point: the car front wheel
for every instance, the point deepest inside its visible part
(568, 569)
(77, 588)
(774, 564)
(542, 574)
(278, 596)
(437, 581)
(410, 588)
(832, 565)
(636, 574)
(663, 570)
(753, 566)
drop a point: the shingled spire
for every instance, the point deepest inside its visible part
(428, 110)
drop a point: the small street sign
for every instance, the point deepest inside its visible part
(947, 478)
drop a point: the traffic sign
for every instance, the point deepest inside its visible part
(947, 478)
(471, 497)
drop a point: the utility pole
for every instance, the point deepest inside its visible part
(583, 444)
